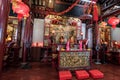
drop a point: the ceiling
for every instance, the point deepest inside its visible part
(108, 7)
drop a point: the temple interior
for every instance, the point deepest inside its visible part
(59, 40)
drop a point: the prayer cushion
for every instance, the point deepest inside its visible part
(82, 74)
(96, 74)
(64, 75)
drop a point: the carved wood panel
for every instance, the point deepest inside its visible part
(74, 59)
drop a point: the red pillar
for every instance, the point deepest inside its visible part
(4, 11)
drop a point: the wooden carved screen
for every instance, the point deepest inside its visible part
(57, 26)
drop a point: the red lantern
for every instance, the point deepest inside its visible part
(40, 44)
(21, 8)
(113, 21)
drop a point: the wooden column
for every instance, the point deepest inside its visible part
(4, 11)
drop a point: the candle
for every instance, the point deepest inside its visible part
(68, 46)
(80, 45)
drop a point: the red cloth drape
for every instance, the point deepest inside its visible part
(95, 12)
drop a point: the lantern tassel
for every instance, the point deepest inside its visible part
(113, 26)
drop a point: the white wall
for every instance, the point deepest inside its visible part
(90, 35)
(83, 30)
(90, 38)
(115, 34)
(38, 30)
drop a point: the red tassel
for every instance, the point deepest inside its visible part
(20, 16)
(113, 26)
(95, 12)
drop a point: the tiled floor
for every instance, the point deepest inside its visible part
(41, 71)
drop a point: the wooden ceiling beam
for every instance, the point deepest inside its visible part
(112, 13)
(110, 5)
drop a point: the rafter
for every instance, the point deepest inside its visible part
(110, 5)
(113, 13)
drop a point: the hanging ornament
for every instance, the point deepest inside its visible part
(21, 9)
(68, 9)
(113, 21)
(95, 12)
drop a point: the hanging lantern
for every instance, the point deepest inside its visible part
(113, 21)
(95, 12)
(21, 9)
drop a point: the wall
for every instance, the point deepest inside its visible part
(38, 30)
(115, 34)
(83, 30)
(90, 38)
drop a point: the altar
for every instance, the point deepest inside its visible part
(73, 60)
